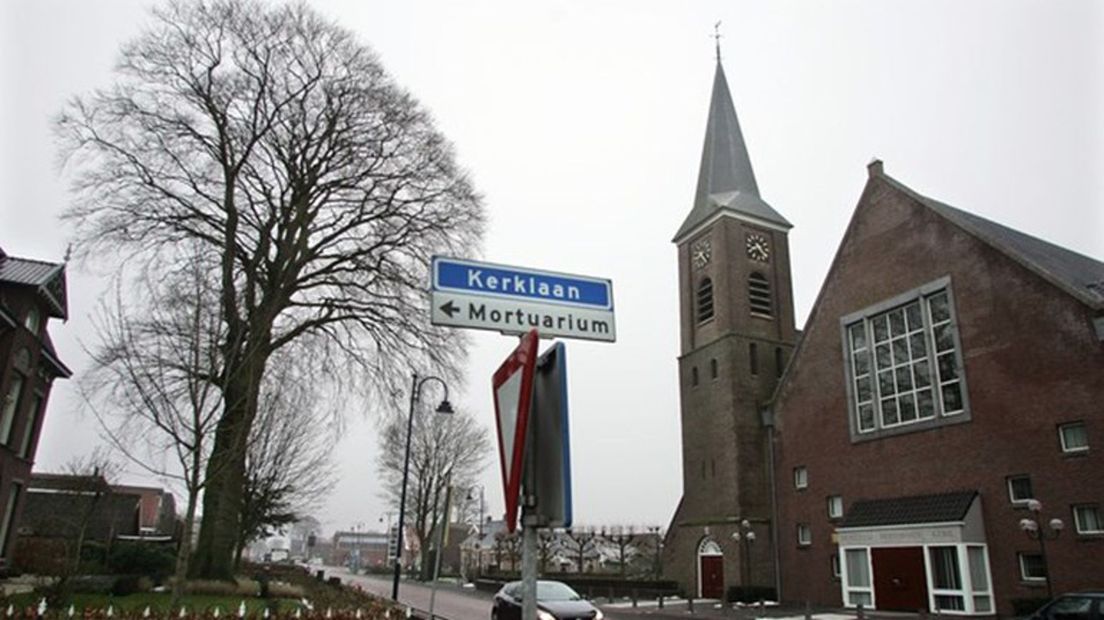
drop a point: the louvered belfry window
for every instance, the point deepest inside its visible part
(759, 295)
(705, 300)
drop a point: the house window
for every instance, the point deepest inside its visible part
(804, 535)
(903, 363)
(835, 565)
(835, 506)
(946, 578)
(759, 295)
(694, 376)
(705, 300)
(27, 440)
(801, 477)
(9, 407)
(1019, 489)
(5, 522)
(712, 369)
(1087, 520)
(33, 321)
(753, 358)
(1032, 567)
(1073, 437)
(857, 578)
(979, 578)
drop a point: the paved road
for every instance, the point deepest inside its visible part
(452, 602)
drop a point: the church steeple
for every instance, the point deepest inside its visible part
(725, 179)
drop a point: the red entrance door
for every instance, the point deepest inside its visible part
(712, 576)
(899, 580)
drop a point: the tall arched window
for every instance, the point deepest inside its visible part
(759, 295)
(705, 300)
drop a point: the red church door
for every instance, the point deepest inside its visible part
(712, 576)
(899, 580)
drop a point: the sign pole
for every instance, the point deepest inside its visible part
(529, 561)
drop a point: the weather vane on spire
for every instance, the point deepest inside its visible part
(717, 36)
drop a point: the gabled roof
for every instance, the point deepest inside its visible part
(48, 278)
(936, 508)
(725, 178)
(1077, 274)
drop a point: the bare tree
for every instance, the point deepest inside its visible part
(319, 188)
(152, 380)
(439, 444)
(91, 475)
(581, 542)
(625, 539)
(289, 465)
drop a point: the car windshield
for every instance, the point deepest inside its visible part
(555, 591)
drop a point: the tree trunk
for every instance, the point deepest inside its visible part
(222, 501)
(185, 548)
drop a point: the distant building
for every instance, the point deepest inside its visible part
(31, 293)
(63, 512)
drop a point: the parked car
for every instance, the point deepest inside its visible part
(1076, 606)
(555, 601)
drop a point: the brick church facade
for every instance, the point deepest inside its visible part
(945, 389)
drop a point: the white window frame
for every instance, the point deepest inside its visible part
(1023, 573)
(872, 406)
(1011, 493)
(850, 589)
(836, 570)
(835, 506)
(801, 477)
(1077, 518)
(1066, 449)
(804, 535)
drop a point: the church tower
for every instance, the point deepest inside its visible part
(737, 328)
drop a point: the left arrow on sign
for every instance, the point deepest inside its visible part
(450, 309)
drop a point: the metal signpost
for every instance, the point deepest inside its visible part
(530, 395)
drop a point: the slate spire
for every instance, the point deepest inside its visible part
(725, 179)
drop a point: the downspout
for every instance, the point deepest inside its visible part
(767, 417)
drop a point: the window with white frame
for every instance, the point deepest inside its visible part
(981, 590)
(835, 565)
(804, 535)
(6, 519)
(10, 407)
(1032, 567)
(835, 506)
(857, 585)
(903, 363)
(946, 578)
(1019, 489)
(801, 477)
(1087, 519)
(1073, 437)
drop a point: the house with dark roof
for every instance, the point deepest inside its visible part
(941, 412)
(31, 293)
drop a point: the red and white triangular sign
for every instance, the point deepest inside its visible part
(513, 390)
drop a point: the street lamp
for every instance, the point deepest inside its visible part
(747, 536)
(1034, 530)
(444, 407)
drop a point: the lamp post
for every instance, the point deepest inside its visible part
(745, 536)
(444, 407)
(1034, 530)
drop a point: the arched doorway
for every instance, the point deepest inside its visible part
(710, 569)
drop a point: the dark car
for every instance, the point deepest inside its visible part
(1077, 606)
(555, 601)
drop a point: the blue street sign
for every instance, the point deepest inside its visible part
(522, 284)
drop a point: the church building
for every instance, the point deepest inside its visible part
(737, 324)
(931, 445)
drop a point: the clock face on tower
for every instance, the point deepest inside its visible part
(758, 248)
(700, 253)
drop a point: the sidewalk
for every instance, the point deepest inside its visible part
(713, 608)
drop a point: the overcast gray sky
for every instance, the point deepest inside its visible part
(581, 122)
